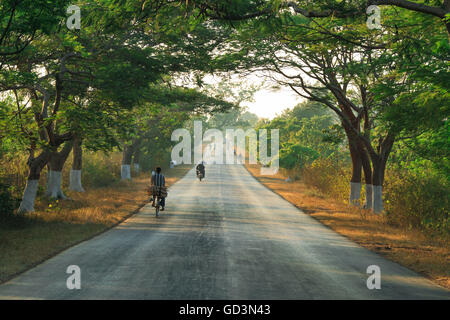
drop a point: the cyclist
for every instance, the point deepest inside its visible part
(158, 180)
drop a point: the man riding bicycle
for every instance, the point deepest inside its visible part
(159, 181)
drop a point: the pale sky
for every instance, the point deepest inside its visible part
(268, 102)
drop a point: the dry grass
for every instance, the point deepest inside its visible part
(55, 226)
(424, 254)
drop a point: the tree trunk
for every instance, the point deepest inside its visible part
(369, 196)
(54, 182)
(125, 171)
(379, 167)
(29, 196)
(35, 168)
(355, 182)
(367, 168)
(377, 182)
(55, 165)
(75, 172)
(136, 157)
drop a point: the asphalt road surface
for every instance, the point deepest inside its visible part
(227, 237)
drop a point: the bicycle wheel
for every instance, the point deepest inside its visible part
(157, 206)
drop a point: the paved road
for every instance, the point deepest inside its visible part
(227, 237)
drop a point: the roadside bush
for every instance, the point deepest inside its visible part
(411, 199)
(328, 177)
(100, 170)
(415, 200)
(13, 173)
(7, 202)
(296, 156)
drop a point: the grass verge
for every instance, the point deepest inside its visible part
(425, 254)
(58, 225)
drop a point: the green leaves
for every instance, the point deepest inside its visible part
(296, 156)
(304, 135)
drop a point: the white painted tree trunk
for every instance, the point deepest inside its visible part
(54, 185)
(355, 193)
(136, 167)
(377, 204)
(75, 181)
(369, 196)
(29, 195)
(125, 172)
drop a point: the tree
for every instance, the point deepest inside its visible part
(239, 10)
(68, 72)
(316, 59)
(303, 134)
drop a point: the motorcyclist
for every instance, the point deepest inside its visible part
(201, 169)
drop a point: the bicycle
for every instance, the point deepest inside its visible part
(157, 194)
(158, 203)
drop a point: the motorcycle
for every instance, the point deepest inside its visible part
(200, 175)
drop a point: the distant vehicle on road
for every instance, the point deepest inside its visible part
(200, 169)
